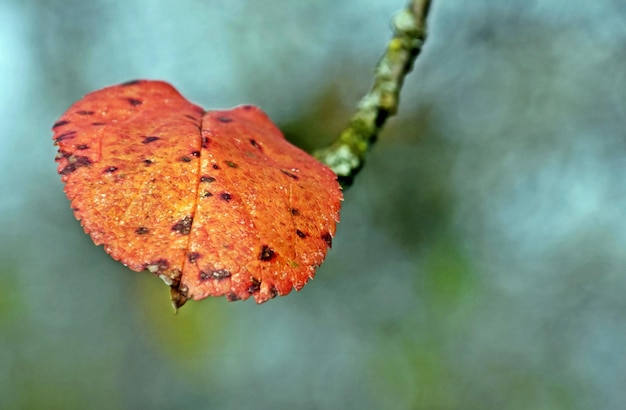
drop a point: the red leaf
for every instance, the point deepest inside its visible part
(215, 203)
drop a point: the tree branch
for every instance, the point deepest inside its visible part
(347, 154)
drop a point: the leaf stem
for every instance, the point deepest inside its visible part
(347, 154)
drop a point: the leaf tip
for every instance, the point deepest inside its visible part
(178, 298)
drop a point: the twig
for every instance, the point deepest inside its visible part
(347, 154)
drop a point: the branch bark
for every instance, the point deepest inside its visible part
(347, 154)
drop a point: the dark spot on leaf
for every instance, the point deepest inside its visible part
(231, 164)
(267, 254)
(206, 178)
(85, 112)
(142, 230)
(183, 226)
(232, 297)
(150, 139)
(193, 256)
(328, 239)
(61, 154)
(217, 274)
(98, 123)
(215, 166)
(247, 107)
(199, 110)
(226, 196)
(195, 154)
(295, 212)
(134, 102)
(224, 119)
(255, 285)
(108, 170)
(65, 136)
(273, 292)
(289, 174)
(205, 142)
(147, 162)
(82, 147)
(185, 159)
(206, 194)
(131, 82)
(255, 144)
(300, 233)
(68, 169)
(60, 123)
(75, 162)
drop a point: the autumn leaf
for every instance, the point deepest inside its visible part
(213, 202)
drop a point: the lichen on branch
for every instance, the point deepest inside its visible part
(347, 154)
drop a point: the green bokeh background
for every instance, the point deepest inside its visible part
(480, 262)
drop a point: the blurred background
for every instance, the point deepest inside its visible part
(481, 258)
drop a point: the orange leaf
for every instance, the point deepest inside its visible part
(215, 203)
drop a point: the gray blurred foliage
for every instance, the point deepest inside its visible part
(480, 260)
